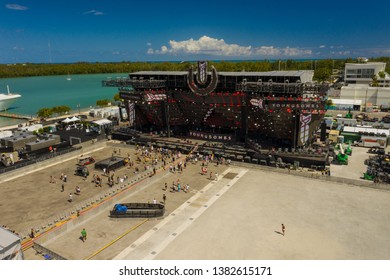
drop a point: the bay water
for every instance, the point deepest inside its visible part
(79, 93)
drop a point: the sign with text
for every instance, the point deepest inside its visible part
(211, 136)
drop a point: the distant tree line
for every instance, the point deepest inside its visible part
(323, 68)
(47, 112)
(63, 109)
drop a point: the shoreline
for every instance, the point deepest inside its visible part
(71, 113)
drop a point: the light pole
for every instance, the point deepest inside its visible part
(365, 101)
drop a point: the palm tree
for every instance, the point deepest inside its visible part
(329, 103)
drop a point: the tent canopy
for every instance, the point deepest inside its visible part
(74, 119)
(102, 122)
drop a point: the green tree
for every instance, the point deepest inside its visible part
(103, 102)
(61, 110)
(45, 112)
(329, 103)
(375, 82)
(117, 97)
(322, 74)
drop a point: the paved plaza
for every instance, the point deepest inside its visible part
(238, 216)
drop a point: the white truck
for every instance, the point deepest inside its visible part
(372, 141)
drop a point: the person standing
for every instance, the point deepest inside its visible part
(164, 198)
(84, 235)
(154, 201)
(70, 197)
(187, 188)
(62, 187)
(283, 229)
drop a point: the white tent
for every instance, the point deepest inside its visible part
(67, 120)
(74, 119)
(10, 246)
(102, 122)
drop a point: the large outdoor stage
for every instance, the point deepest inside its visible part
(275, 109)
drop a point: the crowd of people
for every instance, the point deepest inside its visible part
(143, 157)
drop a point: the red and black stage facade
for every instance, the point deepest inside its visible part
(277, 106)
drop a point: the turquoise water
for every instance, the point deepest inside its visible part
(50, 91)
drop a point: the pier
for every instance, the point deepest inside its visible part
(16, 116)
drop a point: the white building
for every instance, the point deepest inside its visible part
(358, 77)
(369, 96)
(362, 73)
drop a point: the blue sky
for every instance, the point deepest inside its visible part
(123, 30)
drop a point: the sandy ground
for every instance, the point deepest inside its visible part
(236, 217)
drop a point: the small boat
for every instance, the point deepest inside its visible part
(6, 99)
(68, 78)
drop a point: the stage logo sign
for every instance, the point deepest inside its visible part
(201, 78)
(256, 102)
(304, 129)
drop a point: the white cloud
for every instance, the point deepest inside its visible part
(340, 53)
(336, 47)
(94, 12)
(295, 51)
(264, 50)
(16, 7)
(205, 45)
(16, 48)
(210, 46)
(322, 46)
(148, 44)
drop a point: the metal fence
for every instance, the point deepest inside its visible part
(37, 159)
(46, 253)
(96, 200)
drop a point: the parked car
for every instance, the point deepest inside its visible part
(85, 160)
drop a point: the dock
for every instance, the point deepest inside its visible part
(16, 116)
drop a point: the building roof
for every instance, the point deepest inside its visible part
(7, 238)
(357, 129)
(346, 102)
(367, 64)
(294, 73)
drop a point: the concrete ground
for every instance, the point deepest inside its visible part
(237, 217)
(355, 167)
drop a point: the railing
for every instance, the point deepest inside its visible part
(48, 254)
(134, 83)
(37, 159)
(66, 215)
(15, 116)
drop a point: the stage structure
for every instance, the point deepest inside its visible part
(284, 108)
